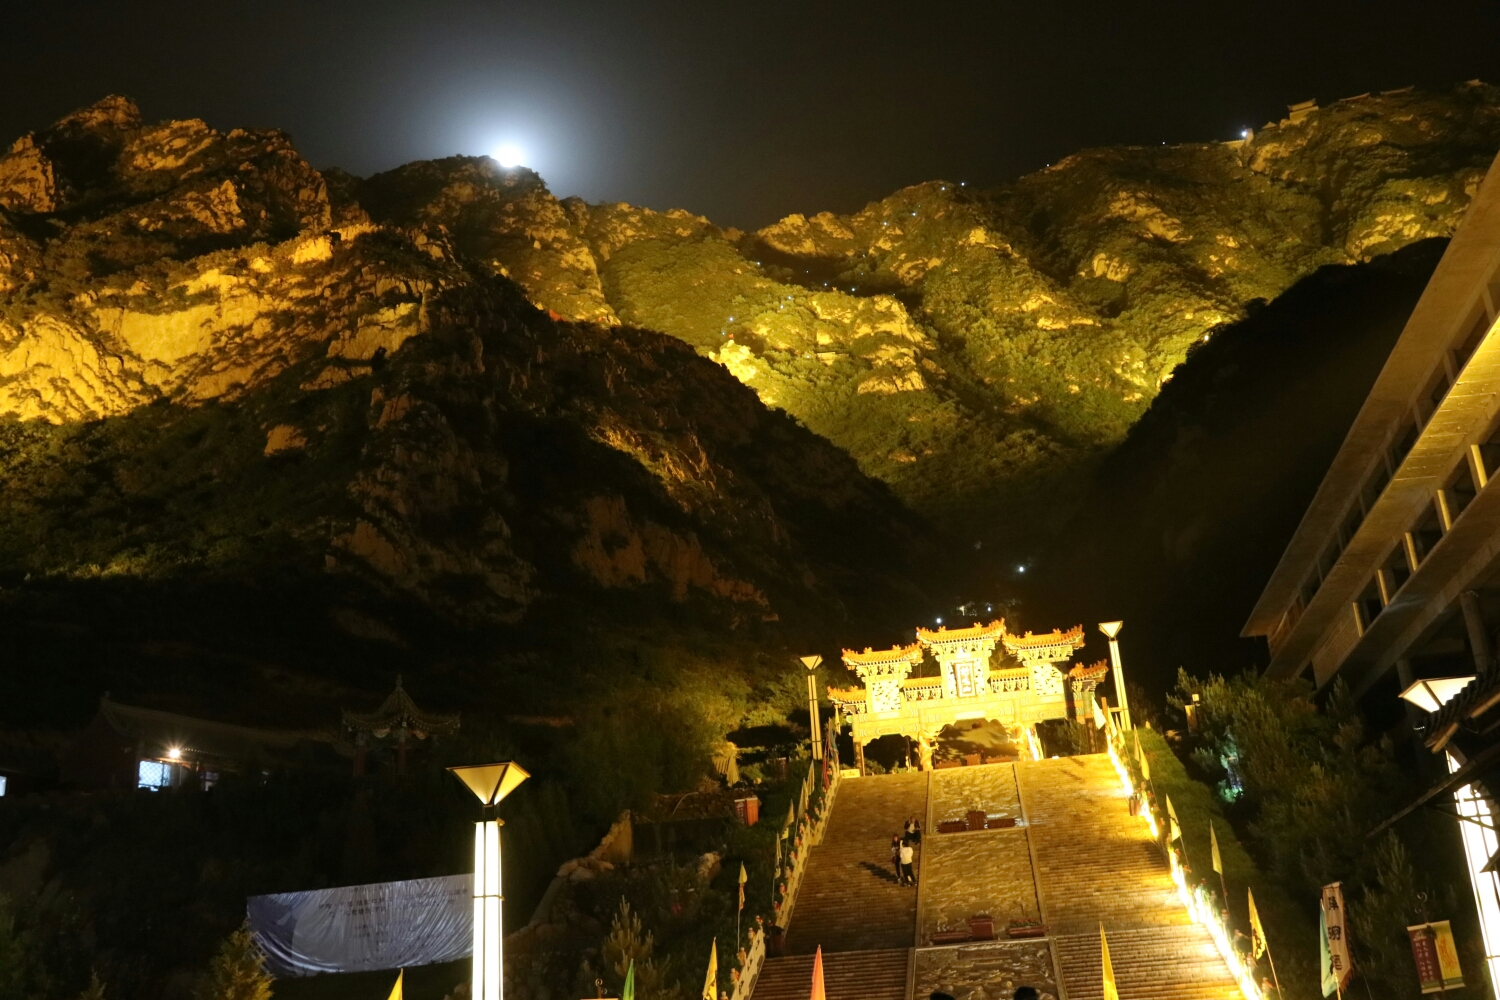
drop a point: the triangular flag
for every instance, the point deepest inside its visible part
(1099, 721)
(1213, 848)
(817, 983)
(628, 992)
(711, 981)
(1170, 810)
(1141, 754)
(396, 990)
(1111, 992)
(1257, 932)
(743, 879)
(1174, 832)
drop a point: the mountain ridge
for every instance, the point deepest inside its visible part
(979, 350)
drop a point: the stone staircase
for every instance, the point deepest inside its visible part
(849, 899)
(847, 975)
(1154, 963)
(1094, 861)
(1097, 864)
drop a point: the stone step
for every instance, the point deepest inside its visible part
(848, 975)
(849, 899)
(1157, 963)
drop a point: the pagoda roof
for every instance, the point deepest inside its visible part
(896, 654)
(847, 696)
(1072, 637)
(398, 711)
(994, 630)
(1092, 672)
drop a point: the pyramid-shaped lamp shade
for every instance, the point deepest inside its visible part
(491, 782)
(1111, 629)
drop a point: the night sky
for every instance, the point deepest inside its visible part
(741, 111)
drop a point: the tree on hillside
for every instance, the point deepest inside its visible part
(629, 942)
(238, 971)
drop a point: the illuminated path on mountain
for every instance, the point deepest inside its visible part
(1075, 859)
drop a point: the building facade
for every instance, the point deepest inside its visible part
(1392, 580)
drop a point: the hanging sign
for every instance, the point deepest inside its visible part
(1437, 957)
(1336, 966)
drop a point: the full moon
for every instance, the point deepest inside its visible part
(510, 156)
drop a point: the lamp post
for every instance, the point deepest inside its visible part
(1112, 631)
(490, 783)
(811, 663)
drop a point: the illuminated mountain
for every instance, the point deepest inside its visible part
(977, 350)
(246, 430)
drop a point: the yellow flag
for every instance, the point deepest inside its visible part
(1098, 716)
(1257, 932)
(1140, 753)
(1171, 812)
(396, 990)
(1213, 847)
(711, 981)
(1111, 992)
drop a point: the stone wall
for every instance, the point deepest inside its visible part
(968, 873)
(986, 972)
(991, 787)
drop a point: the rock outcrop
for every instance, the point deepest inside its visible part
(214, 365)
(977, 349)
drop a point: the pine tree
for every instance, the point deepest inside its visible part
(238, 971)
(94, 990)
(629, 941)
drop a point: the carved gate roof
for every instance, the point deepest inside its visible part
(1049, 647)
(944, 636)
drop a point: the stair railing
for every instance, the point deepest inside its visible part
(1198, 901)
(805, 829)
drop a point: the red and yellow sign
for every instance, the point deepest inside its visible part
(1437, 957)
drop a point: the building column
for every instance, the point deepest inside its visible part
(1479, 636)
(859, 756)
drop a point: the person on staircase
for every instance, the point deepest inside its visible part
(914, 830)
(908, 856)
(896, 855)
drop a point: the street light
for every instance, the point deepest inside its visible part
(1112, 630)
(490, 783)
(811, 663)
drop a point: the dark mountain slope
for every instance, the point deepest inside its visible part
(1184, 522)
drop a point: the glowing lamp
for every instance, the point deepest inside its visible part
(490, 783)
(510, 156)
(1435, 692)
(816, 722)
(1111, 631)
(174, 753)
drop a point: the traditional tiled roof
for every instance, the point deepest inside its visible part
(1092, 672)
(398, 712)
(994, 630)
(872, 657)
(847, 696)
(1479, 696)
(1072, 637)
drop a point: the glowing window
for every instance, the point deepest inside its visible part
(1480, 844)
(154, 774)
(2, 786)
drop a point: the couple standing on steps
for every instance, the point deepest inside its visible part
(904, 852)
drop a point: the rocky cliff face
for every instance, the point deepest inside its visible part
(215, 367)
(976, 349)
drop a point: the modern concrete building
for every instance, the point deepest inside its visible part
(1394, 573)
(1396, 564)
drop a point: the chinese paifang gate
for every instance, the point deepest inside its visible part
(1026, 686)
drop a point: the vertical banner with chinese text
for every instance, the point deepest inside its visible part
(1335, 952)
